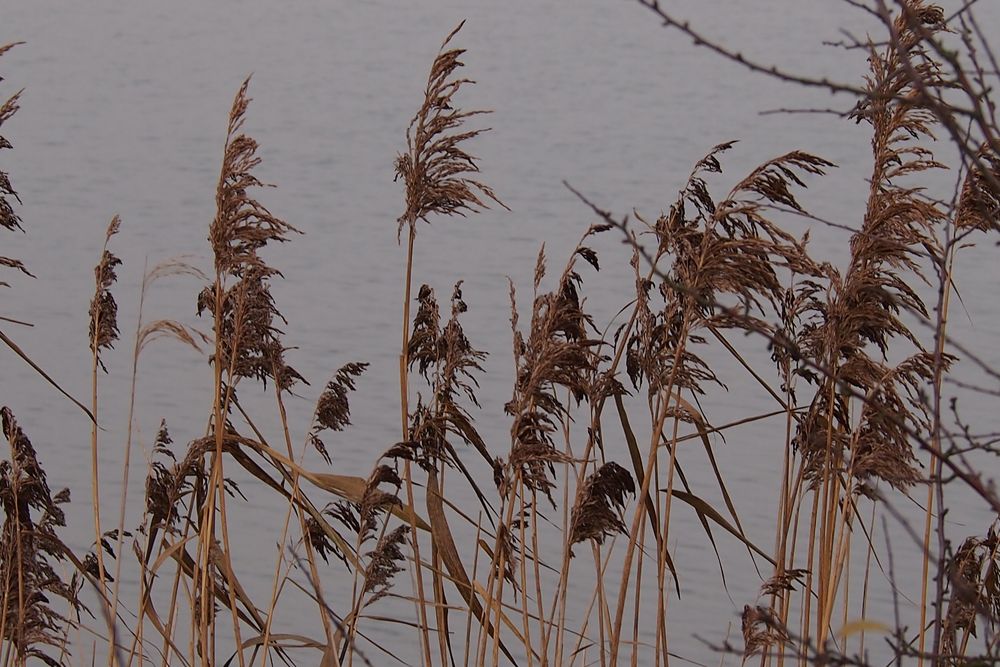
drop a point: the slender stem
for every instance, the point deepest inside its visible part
(935, 490)
(523, 571)
(94, 467)
(421, 600)
(868, 568)
(662, 551)
(126, 459)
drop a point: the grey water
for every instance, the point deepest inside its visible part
(125, 110)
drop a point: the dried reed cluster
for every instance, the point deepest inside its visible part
(31, 624)
(9, 219)
(860, 354)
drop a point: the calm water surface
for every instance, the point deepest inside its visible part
(125, 112)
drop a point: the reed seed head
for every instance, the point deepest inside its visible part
(103, 307)
(9, 219)
(437, 171)
(600, 502)
(384, 564)
(333, 411)
(29, 543)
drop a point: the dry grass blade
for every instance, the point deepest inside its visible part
(318, 529)
(448, 552)
(348, 487)
(248, 613)
(705, 510)
(353, 489)
(48, 378)
(638, 466)
(684, 411)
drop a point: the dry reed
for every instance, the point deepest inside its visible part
(860, 389)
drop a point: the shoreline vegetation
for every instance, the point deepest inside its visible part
(859, 357)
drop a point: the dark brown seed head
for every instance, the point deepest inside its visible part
(599, 504)
(384, 563)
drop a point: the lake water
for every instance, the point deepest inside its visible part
(125, 112)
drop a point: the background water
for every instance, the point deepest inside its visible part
(125, 112)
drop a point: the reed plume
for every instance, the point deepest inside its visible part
(383, 564)
(103, 308)
(30, 546)
(436, 168)
(333, 411)
(979, 202)
(439, 178)
(247, 339)
(556, 369)
(375, 501)
(170, 481)
(599, 504)
(724, 255)
(448, 362)
(973, 578)
(558, 352)
(247, 343)
(9, 219)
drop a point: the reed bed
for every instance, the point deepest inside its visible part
(585, 492)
